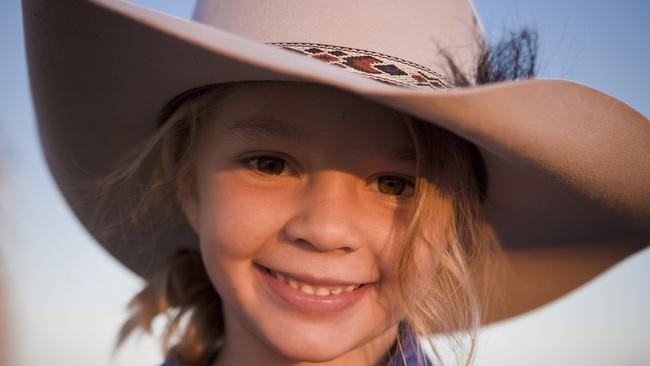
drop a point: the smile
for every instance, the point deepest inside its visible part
(312, 289)
(310, 295)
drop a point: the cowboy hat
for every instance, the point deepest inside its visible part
(567, 166)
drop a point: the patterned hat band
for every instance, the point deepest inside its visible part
(374, 65)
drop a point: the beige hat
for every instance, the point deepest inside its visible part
(568, 166)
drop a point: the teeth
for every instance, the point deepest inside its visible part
(322, 291)
(293, 284)
(314, 290)
(307, 289)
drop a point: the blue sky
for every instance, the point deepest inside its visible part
(67, 297)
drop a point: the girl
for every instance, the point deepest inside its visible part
(301, 213)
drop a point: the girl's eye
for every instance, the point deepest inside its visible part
(267, 164)
(395, 186)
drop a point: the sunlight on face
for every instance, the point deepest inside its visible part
(304, 195)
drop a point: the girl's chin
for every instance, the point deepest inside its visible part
(303, 339)
(312, 350)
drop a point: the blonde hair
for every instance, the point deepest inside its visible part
(450, 189)
(447, 225)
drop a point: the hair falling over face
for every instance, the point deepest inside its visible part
(447, 225)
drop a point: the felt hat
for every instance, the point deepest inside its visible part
(568, 167)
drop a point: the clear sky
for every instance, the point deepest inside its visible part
(67, 297)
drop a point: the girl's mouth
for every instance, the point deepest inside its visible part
(313, 289)
(314, 297)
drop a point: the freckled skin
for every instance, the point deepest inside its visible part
(323, 216)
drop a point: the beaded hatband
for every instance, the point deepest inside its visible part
(375, 65)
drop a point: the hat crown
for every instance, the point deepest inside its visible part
(415, 30)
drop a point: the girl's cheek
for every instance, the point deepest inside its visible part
(235, 219)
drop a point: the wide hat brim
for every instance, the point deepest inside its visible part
(568, 177)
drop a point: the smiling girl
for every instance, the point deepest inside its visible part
(307, 225)
(284, 211)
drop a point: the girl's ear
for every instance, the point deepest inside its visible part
(190, 207)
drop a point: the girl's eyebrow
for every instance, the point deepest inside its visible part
(255, 128)
(406, 154)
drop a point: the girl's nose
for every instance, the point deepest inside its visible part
(328, 217)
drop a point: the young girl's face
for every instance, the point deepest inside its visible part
(303, 197)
